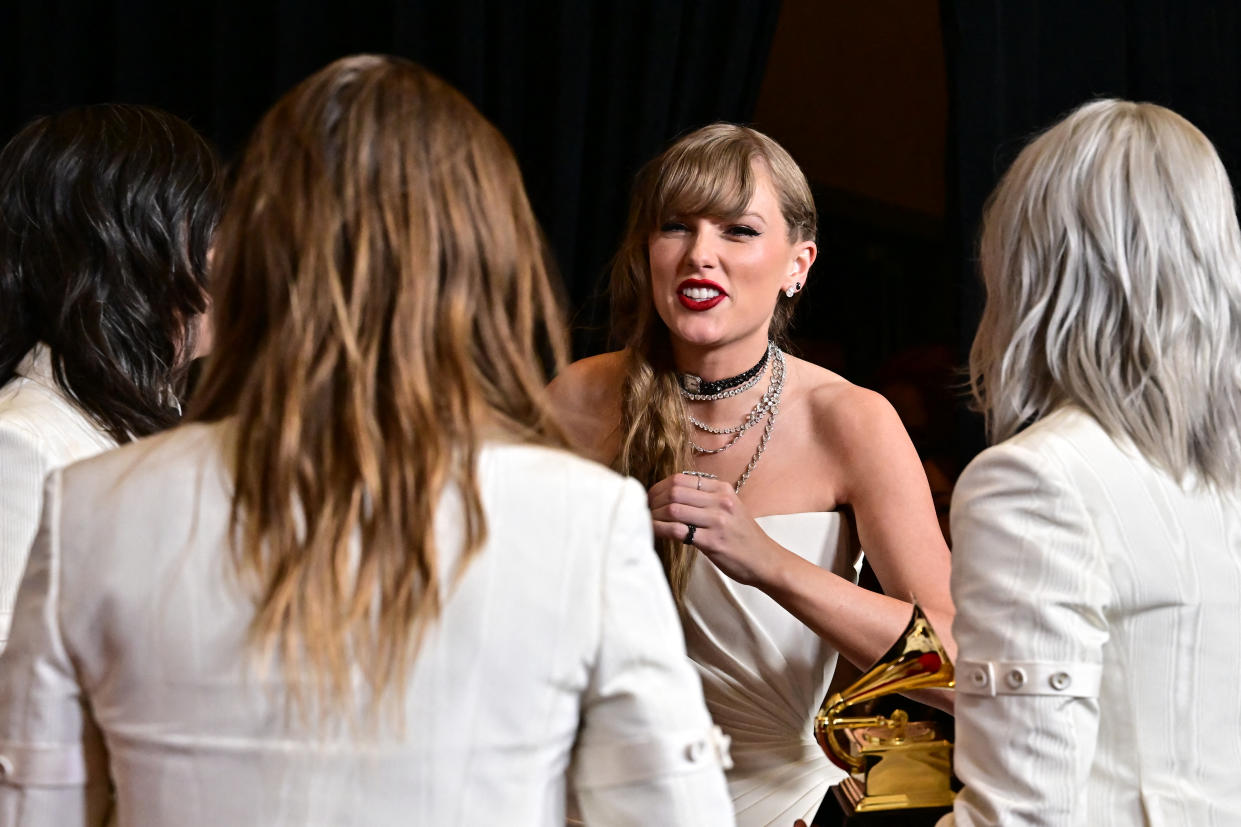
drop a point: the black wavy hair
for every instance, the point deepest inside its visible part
(106, 217)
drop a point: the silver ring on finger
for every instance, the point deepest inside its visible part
(701, 475)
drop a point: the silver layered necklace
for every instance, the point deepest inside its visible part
(766, 408)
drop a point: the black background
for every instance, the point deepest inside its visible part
(585, 91)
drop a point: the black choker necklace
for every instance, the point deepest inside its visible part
(695, 384)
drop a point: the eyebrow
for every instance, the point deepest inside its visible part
(675, 215)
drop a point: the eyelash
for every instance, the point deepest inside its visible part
(735, 230)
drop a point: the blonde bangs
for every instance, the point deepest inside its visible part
(717, 181)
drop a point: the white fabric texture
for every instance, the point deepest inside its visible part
(1070, 549)
(41, 430)
(765, 674)
(560, 640)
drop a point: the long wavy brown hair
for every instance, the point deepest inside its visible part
(711, 171)
(383, 305)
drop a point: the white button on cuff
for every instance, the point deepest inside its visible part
(721, 743)
(1072, 679)
(694, 752)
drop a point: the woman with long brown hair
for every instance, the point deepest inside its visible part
(769, 466)
(366, 586)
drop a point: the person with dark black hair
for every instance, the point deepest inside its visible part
(106, 217)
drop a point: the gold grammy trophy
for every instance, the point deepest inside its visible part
(893, 763)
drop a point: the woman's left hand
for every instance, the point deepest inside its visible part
(725, 531)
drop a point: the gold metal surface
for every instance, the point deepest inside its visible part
(894, 763)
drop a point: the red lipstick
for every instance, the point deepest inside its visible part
(704, 300)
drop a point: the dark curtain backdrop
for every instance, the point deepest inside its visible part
(584, 91)
(1015, 67)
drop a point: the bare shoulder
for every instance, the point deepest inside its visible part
(877, 470)
(587, 399)
(847, 417)
(588, 383)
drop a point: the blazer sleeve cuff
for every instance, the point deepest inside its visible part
(674, 753)
(42, 765)
(1022, 677)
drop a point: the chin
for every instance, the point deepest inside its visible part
(696, 331)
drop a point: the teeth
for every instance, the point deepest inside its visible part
(699, 293)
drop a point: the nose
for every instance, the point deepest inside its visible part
(700, 254)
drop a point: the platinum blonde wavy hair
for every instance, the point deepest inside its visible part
(1111, 257)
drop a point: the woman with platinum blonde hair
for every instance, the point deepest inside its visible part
(365, 586)
(1097, 548)
(765, 472)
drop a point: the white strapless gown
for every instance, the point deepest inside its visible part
(765, 674)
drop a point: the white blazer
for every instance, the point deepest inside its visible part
(558, 653)
(1098, 609)
(41, 429)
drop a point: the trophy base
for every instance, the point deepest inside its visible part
(905, 772)
(852, 798)
(841, 809)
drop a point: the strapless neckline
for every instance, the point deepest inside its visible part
(801, 514)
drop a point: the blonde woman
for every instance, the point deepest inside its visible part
(764, 471)
(365, 587)
(1097, 556)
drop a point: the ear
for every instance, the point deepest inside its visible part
(804, 254)
(204, 331)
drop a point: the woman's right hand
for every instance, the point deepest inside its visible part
(724, 529)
